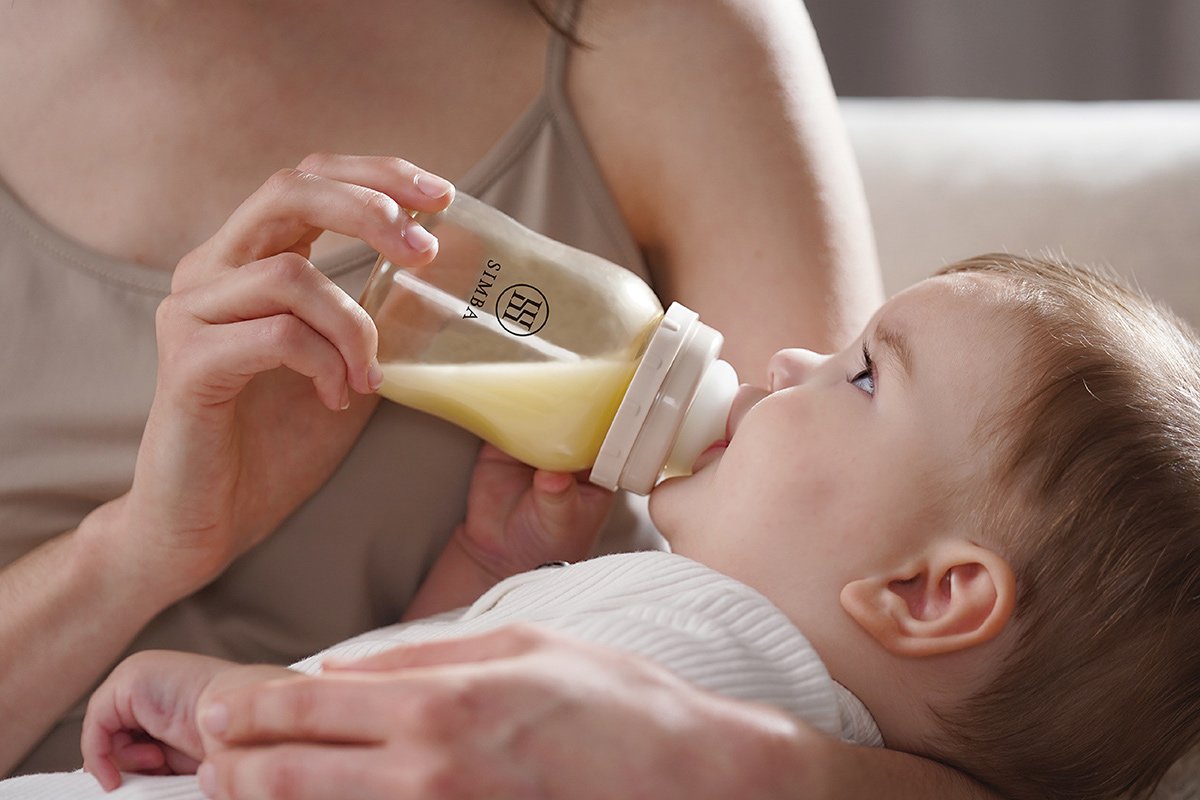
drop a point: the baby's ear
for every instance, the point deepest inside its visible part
(954, 596)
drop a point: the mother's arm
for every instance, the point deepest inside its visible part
(524, 713)
(857, 772)
(70, 607)
(715, 124)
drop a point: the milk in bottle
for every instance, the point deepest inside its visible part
(556, 356)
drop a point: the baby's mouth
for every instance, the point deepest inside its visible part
(745, 399)
(711, 454)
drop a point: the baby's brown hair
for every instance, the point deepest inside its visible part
(1095, 500)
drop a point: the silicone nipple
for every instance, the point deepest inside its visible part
(675, 406)
(704, 421)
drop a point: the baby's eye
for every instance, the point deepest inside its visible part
(864, 379)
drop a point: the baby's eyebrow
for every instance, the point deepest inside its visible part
(896, 343)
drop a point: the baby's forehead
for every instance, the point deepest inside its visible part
(956, 305)
(967, 289)
(969, 349)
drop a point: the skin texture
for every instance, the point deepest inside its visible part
(139, 130)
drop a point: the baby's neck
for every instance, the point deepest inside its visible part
(900, 693)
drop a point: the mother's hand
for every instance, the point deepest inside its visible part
(514, 713)
(234, 443)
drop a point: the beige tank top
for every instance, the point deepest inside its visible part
(77, 355)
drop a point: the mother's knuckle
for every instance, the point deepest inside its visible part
(191, 262)
(302, 707)
(400, 166)
(443, 778)
(283, 777)
(429, 709)
(443, 711)
(282, 330)
(283, 180)
(171, 330)
(288, 268)
(314, 162)
(168, 310)
(378, 207)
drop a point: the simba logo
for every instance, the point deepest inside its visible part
(486, 281)
(522, 310)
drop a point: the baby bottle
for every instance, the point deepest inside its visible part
(556, 356)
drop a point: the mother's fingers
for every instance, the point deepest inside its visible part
(345, 708)
(293, 207)
(222, 359)
(289, 284)
(306, 772)
(331, 710)
(407, 184)
(506, 642)
(361, 196)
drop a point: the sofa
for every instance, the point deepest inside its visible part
(1103, 183)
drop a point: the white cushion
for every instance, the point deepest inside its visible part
(1114, 183)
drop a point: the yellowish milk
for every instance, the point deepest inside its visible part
(551, 414)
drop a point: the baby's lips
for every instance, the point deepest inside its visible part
(708, 456)
(745, 399)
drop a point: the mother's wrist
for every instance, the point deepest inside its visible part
(110, 550)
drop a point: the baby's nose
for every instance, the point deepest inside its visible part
(790, 367)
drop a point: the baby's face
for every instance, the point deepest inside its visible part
(845, 460)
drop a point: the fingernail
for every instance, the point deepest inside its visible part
(345, 397)
(374, 375)
(206, 777)
(431, 185)
(215, 719)
(418, 238)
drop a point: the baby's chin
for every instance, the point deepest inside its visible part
(675, 501)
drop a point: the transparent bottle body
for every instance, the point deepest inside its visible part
(525, 341)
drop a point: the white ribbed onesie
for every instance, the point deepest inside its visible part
(706, 627)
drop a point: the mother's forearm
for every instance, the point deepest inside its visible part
(67, 612)
(858, 772)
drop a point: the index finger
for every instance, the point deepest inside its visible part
(293, 207)
(406, 183)
(342, 710)
(360, 196)
(507, 642)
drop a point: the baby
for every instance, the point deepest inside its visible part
(973, 535)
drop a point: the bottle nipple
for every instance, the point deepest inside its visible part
(705, 419)
(675, 407)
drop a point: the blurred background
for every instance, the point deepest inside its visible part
(1018, 49)
(1068, 128)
